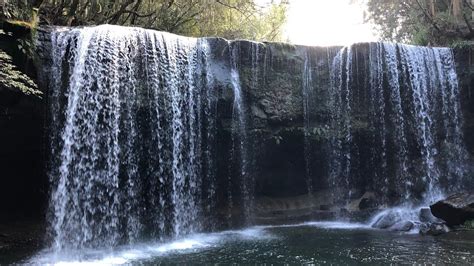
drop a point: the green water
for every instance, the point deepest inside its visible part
(311, 243)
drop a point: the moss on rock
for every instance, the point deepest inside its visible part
(18, 27)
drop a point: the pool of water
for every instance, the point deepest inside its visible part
(316, 242)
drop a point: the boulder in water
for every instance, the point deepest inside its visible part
(403, 226)
(434, 229)
(324, 207)
(427, 217)
(367, 203)
(387, 220)
(456, 209)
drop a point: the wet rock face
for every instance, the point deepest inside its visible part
(456, 209)
(427, 217)
(23, 185)
(465, 70)
(367, 203)
(293, 139)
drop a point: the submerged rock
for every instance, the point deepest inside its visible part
(388, 220)
(434, 229)
(456, 209)
(403, 226)
(407, 219)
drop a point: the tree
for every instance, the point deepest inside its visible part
(426, 22)
(225, 18)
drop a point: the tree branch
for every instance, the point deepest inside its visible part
(433, 23)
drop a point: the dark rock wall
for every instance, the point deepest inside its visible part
(465, 69)
(23, 185)
(283, 158)
(23, 188)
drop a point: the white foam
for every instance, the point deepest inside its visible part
(324, 225)
(193, 243)
(339, 225)
(128, 254)
(405, 214)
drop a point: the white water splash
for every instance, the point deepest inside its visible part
(127, 152)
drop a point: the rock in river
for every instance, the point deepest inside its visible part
(456, 209)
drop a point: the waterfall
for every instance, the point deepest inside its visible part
(133, 126)
(137, 116)
(316, 91)
(341, 141)
(239, 150)
(413, 120)
(209, 140)
(307, 86)
(397, 118)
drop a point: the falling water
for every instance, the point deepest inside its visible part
(239, 150)
(133, 122)
(397, 118)
(307, 86)
(317, 101)
(133, 117)
(411, 92)
(209, 140)
(341, 96)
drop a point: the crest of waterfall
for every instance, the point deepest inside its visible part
(132, 133)
(413, 120)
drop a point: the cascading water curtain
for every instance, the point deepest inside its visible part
(317, 108)
(307, 99)
(132, 128)
(416, 144)
(240, 166)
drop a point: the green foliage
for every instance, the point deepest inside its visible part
(421, 37)
(424, 22)
(232, 19)
(462, 44)
(392, 19)
(12, 79)
(320, 132)
(17, 9)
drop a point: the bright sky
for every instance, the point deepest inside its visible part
(327, 22)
